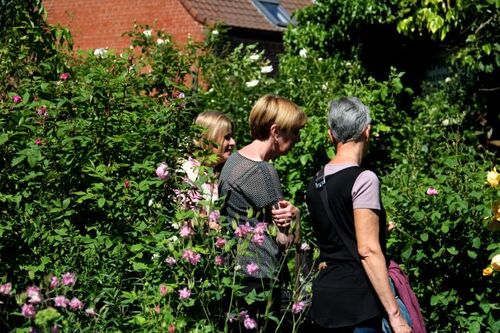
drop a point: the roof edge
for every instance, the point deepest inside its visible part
(193, 12)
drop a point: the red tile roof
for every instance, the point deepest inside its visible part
(237, 13)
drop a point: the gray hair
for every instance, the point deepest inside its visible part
(348, 118)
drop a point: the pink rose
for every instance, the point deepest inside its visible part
(126, 184)
(170, 261)
(76, 304)
(162, 171)
(250, 323)
(298, 307)
(214, 216)
(54, 282)
(258, 239)
(191, 256)
(64, 76)
(34, 295)
(5, 288)
(220, 242)
(242, 230)
(163, 289)
(38, 141)
(186, 231)
(61, 301)
(42, 111)
(69, 279)
(431, 191)
(17, 99)
(260, 228)
(171, 328)
(28, 311)
(184, 293)
(219, 260)
(252, 268)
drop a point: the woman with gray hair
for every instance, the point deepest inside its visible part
(351, 292)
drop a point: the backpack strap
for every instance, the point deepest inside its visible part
(320, 185)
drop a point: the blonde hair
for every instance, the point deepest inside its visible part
(269, 110)
(216, 125)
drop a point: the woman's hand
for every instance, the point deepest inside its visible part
(398, 323)
(283, 218)
(285, 214)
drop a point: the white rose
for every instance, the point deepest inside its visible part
(254, 57)
(495, 262)
(173, 239)
(147, 33)
(160, 41)
(100, 52)
(445, 122)
(252, 83)
(448, 79)
(266, 69)
(303, 53)
(215, 32)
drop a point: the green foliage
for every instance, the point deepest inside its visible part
(443, 239)
(28, 49)
(469, 26)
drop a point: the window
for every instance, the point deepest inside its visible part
(273, 11)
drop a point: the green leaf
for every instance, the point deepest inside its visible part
(18, 160)
(139, 266)
(476, 243)
(136, 247)
(424, 237)
(407, 253)
(472, 254)
(452, 250)
(3, 138)
(101, 202)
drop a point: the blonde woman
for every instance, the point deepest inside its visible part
(217, 144)
(250, 183)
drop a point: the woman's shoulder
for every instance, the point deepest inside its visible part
(369, 176)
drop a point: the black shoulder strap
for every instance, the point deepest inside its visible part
(320, 183)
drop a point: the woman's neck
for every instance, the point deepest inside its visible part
(258, 150)
(349, 153)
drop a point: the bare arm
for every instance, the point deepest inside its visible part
(366, 224)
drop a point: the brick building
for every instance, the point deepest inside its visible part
(101, 23)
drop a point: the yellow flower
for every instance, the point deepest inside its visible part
(495, 262)
(493, 178)
(496, 211)
(488, 271)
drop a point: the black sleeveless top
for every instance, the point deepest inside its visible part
(342, 292)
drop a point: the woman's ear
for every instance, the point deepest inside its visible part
(367, 132)
(274, 132)
(330, 135)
